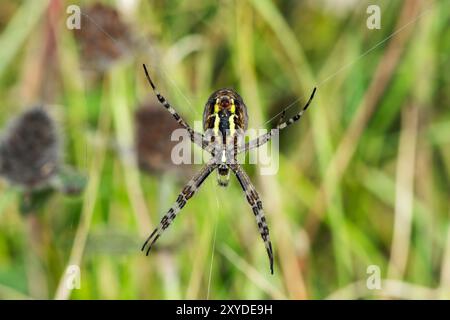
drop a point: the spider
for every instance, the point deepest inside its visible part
(225, 119)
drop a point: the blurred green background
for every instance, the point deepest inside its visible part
(363, 179)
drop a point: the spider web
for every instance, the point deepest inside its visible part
(214, 240)
(348, 65)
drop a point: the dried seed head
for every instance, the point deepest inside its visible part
(154, 127)
(103, 37)
(29, 150)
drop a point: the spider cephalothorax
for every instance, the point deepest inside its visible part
(224, 120)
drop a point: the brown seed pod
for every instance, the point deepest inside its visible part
(154, 127)
(103, 37)
(29, 150)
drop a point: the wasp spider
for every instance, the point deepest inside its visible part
(225, 119)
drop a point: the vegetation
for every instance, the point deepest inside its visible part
(363, 178)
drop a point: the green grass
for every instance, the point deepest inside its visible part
(369, 162)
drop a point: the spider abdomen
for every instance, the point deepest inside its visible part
(223, 175)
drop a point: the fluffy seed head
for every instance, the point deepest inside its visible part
(29, 150)
(154, 126)
(103, 37)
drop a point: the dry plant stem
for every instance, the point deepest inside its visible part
(286, 251)
(167, 264)
(63, 291)
(36, 276)
(445, 269)
(199, 265)
(38, 76)
(320, 130)
(284, 248)
(404, 193)
(213, 251)
(124, 136)
(255, 276)
(31, 75)
(18, 29)
(391, 289)
(171, 275)
(201, 254)
(11, 293)
(352, 135)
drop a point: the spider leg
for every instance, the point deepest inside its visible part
(283, 114)
(256, 204)
(187, 192)
(196, 137)
(262, 139)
